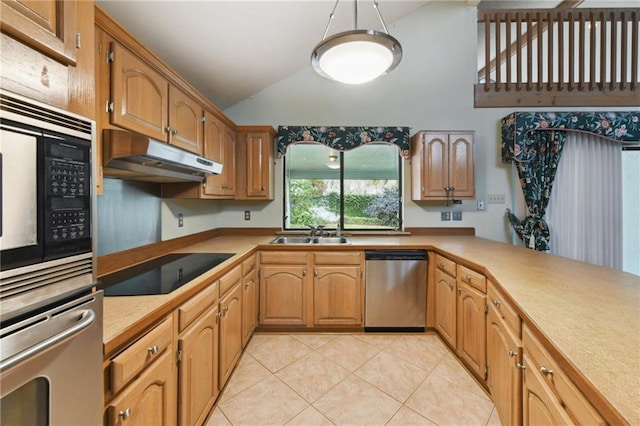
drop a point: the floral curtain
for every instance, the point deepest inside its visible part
(534, 140)
(343, 138)
(536, 179)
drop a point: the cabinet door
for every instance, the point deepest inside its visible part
(48, 26)
(148, 400)
(257, 167)
(472, 328)
(461, 177)
(185, 121)
(505, 378)
(213, 150)
(230, 332)
(249, 305)
(445, 292)
(539, 405)
(336, 295)
(229, 161)
(283, 294)
(435, 165)
(139, 94)
(198, 368)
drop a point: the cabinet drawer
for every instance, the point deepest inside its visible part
(192, 309)
(139, 355)
(337, 258)
(446, 265)
(504, 309)
(571, 398)
(284, 257)
(473, 278)
(230, 279)
(249, 265)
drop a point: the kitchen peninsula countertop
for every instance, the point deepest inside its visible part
(589, 313)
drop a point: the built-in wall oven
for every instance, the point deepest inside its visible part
(50, 317)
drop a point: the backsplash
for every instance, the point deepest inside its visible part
(128, 215)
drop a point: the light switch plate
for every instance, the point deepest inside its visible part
(247, 215)
(456, 215)
(495, 198)
(445, 215)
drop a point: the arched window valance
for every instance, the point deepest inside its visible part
(534, 141)
(343, 138)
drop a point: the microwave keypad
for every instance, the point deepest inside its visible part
(67, 178)
(68, 225)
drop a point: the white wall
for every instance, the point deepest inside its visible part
(432, 89)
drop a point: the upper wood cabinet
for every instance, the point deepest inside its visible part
(48, 26)
(442, 165)
(144, 101)
(219, 146)
(255, 168)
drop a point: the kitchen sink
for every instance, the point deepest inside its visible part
(311, 240)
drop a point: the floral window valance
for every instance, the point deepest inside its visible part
(621, 126)
(343, 138)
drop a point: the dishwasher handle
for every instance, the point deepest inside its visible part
(395, 254)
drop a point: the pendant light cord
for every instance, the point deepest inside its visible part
(331, 15)
(384, 26)
(355, 17)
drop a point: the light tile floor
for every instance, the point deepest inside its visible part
(351, 379)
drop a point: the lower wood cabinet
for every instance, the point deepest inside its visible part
(337, 288)
(445, 295)
(249, 298)
(283, 288)
(230, 329)
(471, 329)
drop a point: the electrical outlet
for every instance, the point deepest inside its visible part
(456, 215)
(495, 198)
(445, 215)
(480, 204)
(247, 215)
(180, 220)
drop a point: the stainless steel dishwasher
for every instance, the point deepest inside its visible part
(395, 290)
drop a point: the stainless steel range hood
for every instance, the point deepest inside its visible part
(129, 155)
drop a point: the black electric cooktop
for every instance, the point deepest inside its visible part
(161, 275)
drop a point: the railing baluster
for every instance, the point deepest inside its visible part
(571, 59)
(508, 42)
(498, 19)
(550, 43)
(603, 52)
(634, 49)
(539, 50)
(487, 51)
(529, 52)
(581, 51)
(592, 50)
(614, 51)
(623, 50)
(519, 51)
(560, 51)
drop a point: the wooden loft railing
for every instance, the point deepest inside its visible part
(559, 57)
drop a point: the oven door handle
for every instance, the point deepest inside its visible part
(86, 319)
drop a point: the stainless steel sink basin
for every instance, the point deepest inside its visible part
(311, 240)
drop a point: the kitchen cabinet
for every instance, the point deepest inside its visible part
(471, 320)
(230, 322)
(445, 298)
(284, 288)
(504, 358)
(255, 163)
(142, 387)
(249, 298)
(442, 166)
(198, 356)
(48, 26)
(337, 288)
(143, 100)
(549, 395)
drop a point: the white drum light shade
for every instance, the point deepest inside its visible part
(357, 56)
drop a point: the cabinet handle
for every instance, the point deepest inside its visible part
(125, 414)
(468, 278)
(450, 286)
(262, 188)
(153, 350)
(304, 272)
(459, 290)
(315, 273)
(247, 284)
(174, 132)
(218, 315)
(520, 366)
(441, 265)
(512, 353)
(168, 129)
(495, 302)
(546, 371)
(225, 309)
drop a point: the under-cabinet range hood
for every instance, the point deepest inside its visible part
(129, 155)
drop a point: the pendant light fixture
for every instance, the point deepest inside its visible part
(356, 56)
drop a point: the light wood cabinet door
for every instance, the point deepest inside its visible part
(198, 368)
(472, 328)
(150, 399)
(539, 404)
(230, 331)
(255, 173)
(336, 295)
(442, 166)
(445, 294)
(139, 94)
(249, 305)
(229, 162)
(48, 26)
(504, 352)
(283, 294)
(185, 121)
(213, 150)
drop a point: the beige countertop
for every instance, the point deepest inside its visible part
(590, 314)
